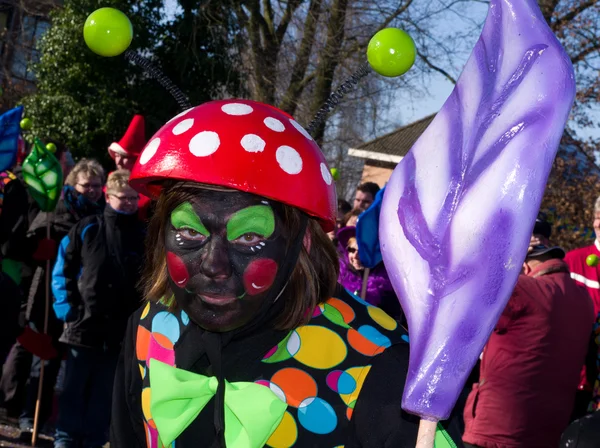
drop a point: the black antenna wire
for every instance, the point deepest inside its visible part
(335, 98)
(156, 73)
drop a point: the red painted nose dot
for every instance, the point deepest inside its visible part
(259, 276)
(177, 270)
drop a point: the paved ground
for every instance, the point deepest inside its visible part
(9, 437)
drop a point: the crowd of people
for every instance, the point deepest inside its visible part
(537, 380)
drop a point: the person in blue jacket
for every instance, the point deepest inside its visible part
(94, 286)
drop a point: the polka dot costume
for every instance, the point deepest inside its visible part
(318, 369)
(243, 145)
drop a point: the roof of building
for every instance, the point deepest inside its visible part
(394, 146)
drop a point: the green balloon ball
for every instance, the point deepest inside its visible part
(51, 147)
(108, 32)
(26, 124)
(592, 260)
(391, 52)
(335, 174)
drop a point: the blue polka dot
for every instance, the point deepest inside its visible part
(346, 384)
(185, 318)
(167, 325)
(358, 299)
(404, 337)
(373, 335)
(317, 416)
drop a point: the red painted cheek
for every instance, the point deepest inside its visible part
(259, 276)
(177, 270)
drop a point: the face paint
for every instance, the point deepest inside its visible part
(224, 250)
(259, 276)
(177, 270)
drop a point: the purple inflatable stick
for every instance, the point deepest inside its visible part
(459, 209)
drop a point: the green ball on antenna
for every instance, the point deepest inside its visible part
(51, 147)
(335, 174)
(391, 52)
(108, 32)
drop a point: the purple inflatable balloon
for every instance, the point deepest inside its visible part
(458, 211)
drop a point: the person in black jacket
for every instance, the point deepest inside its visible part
(81, 197)
(93, 282)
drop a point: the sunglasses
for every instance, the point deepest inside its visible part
(351, 250)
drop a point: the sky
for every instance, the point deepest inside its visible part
(438, 87)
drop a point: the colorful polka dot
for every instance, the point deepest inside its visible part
(274, 124)
(374, 335)
(300, 129)
(236, 109)
(345, 310)
(253, 143)
(159, 352)
(277, 391)
(341, 382)
(334, 315)
(313, 340)
(358, 374)
(183, 126)
(166, 324)
(185, 319)
(362, 345)
(382, 318)
(204, 143)
(289, 160)
(293, 344)
(326, 174)
(145, 311)
(149, 151)
(317, 416)
(286, 433)
(142, 342)
(146, 403)
(297, 385)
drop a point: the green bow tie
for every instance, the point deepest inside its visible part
(252, 411)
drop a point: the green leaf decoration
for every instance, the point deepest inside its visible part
(43, 175)
(334, 315)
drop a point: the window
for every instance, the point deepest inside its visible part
(25, 53)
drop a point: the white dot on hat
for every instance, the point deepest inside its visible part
(236, 109)
(204, 143)
(149, 151)
(253, 143)
(326, 174)
(289, 160)
(183, 126)
(274, 124)
(300, 129)
(180, 115)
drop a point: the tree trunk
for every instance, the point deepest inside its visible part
(298, 79)
(329, 61)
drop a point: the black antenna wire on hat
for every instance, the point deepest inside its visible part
(156, 73)
(335, 98)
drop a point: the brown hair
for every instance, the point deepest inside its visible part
(87, 166)
(355, 212)
(313, 280)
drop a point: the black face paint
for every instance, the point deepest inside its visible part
(224, 250)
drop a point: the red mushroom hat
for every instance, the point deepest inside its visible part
(133, 141)
(244, 145)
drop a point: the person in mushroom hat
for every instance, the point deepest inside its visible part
(246, 340)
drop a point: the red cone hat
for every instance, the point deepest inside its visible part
(133, 141)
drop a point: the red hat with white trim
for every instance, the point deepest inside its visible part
(133, 141)
(244, 145)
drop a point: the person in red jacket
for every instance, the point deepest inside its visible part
(530, 367)
(584, 272)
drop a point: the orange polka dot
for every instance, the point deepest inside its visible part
(296, 384)
(142, 343)
(345, 310)
(163, 341)
(362, 345)
(349, 412)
